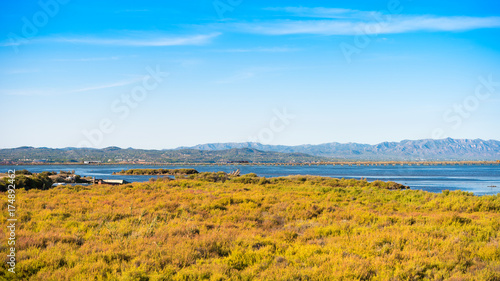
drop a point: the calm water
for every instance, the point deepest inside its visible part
(476, 179)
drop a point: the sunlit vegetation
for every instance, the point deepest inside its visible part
(28, 181)
(23, 172)
(248, 228)
(157, 172)
(44, 180)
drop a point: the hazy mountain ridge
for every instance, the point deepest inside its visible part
(427, 149)
(116, 154)
(410, 150)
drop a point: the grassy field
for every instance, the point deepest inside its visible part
(248, 228)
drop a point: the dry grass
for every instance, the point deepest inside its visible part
(300, 228)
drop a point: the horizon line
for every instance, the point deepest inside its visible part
(192, 147)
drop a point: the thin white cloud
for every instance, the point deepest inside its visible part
(20, 71)
(144, 42)
(188, 63)
(134, 40)
(11, 43)
(260, 50)
(90, 59)
(352, 22)
(107, 86)
(251, 73)
(28, 92)
(52, 92)
(132, 11)
(321, 12)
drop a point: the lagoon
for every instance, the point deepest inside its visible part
(478, 179)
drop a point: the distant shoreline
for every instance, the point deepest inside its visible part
(339, 163)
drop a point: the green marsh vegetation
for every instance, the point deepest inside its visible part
(213, 227)
(153, 172)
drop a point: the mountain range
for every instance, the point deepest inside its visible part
(406, 150)
(414, 150)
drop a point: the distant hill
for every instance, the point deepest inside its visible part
(116, 154)
(428, 149)
(407, 150)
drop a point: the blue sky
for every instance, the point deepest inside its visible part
(73, 72)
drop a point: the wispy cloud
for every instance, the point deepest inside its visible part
(28, 92)
(132, 11)
(188, 63)
(21, 71)
(260, 50)
(53, 92)
(142, 42)
(89, 59)
(132, 40)
(107, 86)
(321, 12)
(352, 22)
(251, 73)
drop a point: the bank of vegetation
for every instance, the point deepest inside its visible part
(214, 227)
(44, 180)
(157, 172)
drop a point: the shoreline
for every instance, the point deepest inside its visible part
(333, 163)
